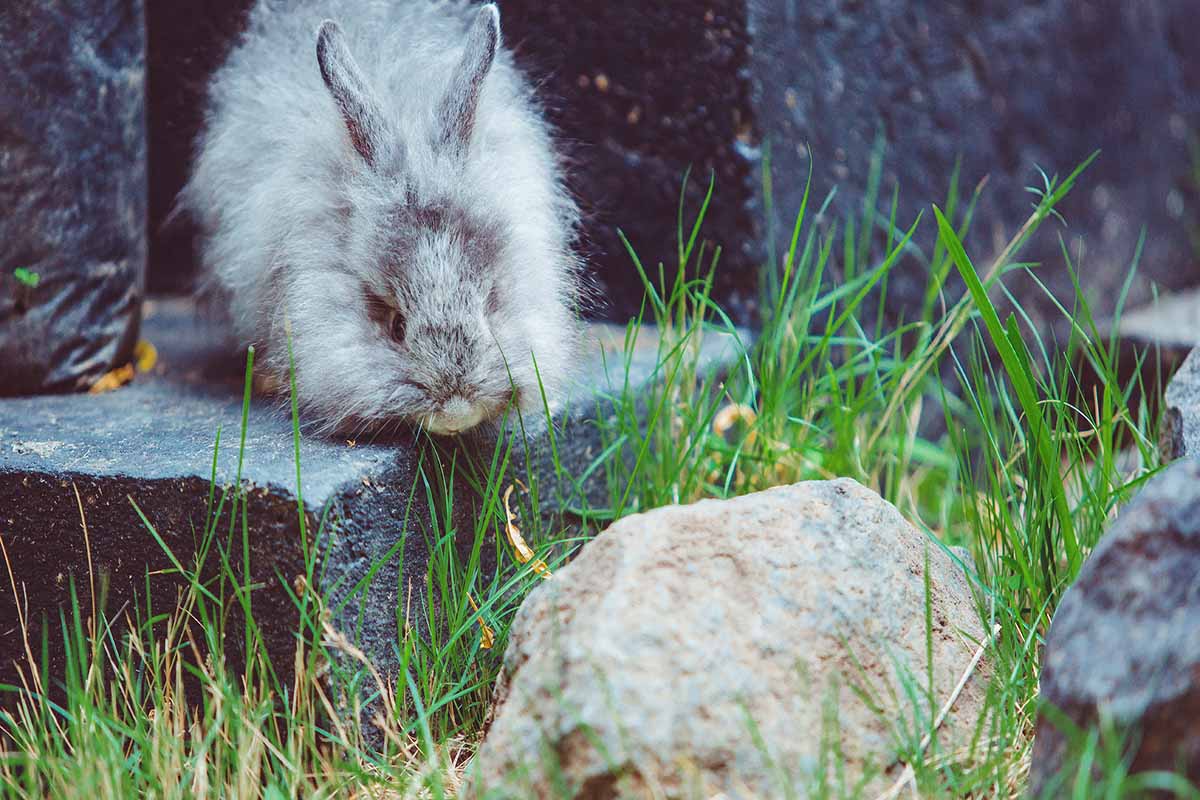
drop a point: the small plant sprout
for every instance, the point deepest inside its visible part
(27, 277)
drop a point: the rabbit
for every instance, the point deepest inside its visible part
(381, 203)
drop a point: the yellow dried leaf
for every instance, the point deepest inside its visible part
(489, 636)
(113, 379)
(734, 412)
(145, 356)
(523, 550)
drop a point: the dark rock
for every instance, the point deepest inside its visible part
(72, 153)
(643, 92)
(1180, 434)
(152, 444)
(1125, 641)
(1005, 86)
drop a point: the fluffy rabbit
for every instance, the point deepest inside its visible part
(384, 190)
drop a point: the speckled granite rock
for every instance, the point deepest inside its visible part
(644, 663)
(73, 192)
(1125, 640)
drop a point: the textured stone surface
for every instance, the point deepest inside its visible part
(641, 93)
(1181, 412)
(152, 443)
(1136, 605)
(1005, 85)
(73, 193)
(674, 629)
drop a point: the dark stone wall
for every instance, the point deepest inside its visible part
(641, 92)
(1005, 86)
(186, 42)
(72, 190)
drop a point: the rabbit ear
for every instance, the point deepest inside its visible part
(456, 114)
(345, 81)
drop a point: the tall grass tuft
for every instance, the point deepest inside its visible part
(974, 424)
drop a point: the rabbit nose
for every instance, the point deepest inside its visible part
(456, 415)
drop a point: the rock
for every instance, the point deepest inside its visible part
(1170, 323)
(1125, 641)
(643, 662)
(1007, 86)
(73, 157)
(152, 443)
(642, 93)
(1180, 434)
(1153, 340)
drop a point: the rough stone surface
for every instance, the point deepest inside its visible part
(152, 443)
(73, 193)
(1125, 640)
(1181, 412)
(643, 92)
(1006, 85)
(643, 662)
(185, 43)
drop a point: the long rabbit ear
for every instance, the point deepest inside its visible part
(345, 81)
(456, 114)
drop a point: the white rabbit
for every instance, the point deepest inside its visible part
(384, 190)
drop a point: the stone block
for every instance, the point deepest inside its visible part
(152, 443)
(73, 157)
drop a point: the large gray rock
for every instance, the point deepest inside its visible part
(73, 193)
(152, 443)
(1180, 434)
(1125, 641)
(647, 660)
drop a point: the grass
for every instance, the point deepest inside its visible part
(975, 424)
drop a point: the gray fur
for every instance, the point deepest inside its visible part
(401, 169)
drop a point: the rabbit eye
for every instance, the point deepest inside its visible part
(396, 326)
